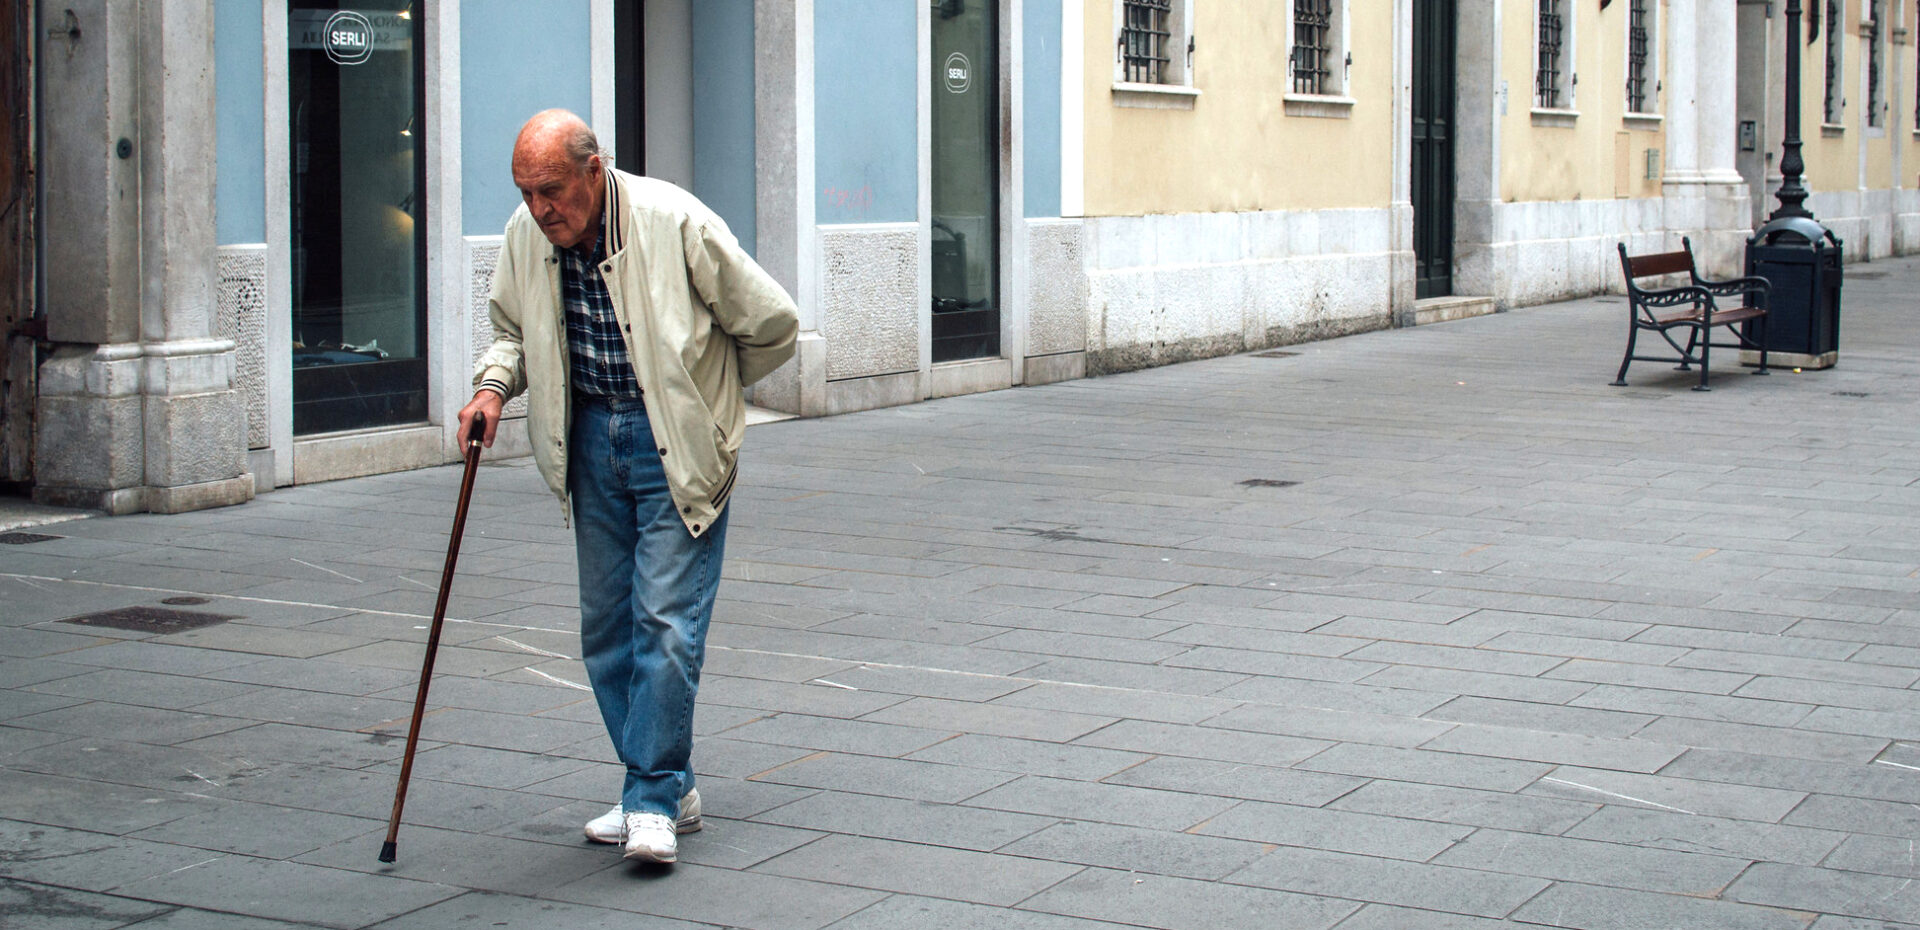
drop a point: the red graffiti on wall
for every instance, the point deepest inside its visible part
(849, 201)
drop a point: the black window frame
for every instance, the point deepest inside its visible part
(1314, 47)
(1551, 34)
(1146, 33)
(1640, 80)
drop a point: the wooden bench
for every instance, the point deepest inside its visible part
(1694, 307)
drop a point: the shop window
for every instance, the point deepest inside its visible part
(1642, 85)
(1154, 42)
(355, 83)
(1553, 55)
(1836, 91)
(1319, 59)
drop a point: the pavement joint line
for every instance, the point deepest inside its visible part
(1623, 797)
(558, 680)
(327, 570)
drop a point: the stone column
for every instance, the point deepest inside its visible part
(1706, 198)
(783, 168)
(137, 409)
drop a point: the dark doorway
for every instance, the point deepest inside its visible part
(630, 84)
(966, 180)
(18, 342)
(1434, 27)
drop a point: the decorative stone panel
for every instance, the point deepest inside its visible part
(869, 299)
(1056, 288)
(483, 256)
(241, 315)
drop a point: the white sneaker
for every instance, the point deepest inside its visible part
(611, 827)
(650, 837)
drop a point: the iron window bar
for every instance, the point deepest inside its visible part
(1874, 63)
(1312, 46)
(1143, 40)
(1835, 102)
(1638, 46)
(1552, 34)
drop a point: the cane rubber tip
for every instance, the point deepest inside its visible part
(386, 851)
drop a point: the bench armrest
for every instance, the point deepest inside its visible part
(1732, 286)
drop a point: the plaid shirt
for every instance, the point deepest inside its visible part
(598, 353)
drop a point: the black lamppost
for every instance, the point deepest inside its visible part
(1794, 252)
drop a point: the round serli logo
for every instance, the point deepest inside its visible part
(348, 38)
(958, 74)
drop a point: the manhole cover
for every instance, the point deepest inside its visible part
(151, 619)
(1277, 353)
(1267, 483)
(21, 539)
(185, 600)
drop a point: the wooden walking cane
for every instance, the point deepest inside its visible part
(477, 429)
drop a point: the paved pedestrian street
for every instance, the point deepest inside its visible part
(1422, 629)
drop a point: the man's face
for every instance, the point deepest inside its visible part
(563, 197)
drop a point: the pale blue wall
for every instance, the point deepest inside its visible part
(866, 97)
(1041, 97)
(723, 137)
(239, 89)
(517, 57)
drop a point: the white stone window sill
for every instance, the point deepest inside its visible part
(1832, 130)
(1559, 119)
(1154, 96)
(1644, 120)
(1319, 106)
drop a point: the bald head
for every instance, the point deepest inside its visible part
(557, 166)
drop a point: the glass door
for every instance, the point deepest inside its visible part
(966, 180)
(359, 244)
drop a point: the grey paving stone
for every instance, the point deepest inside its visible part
(288, 891)
(83, 859)
(1850, 894)
(174, 692)
(257, 830)
(826, 733)
(506, 697)
(1218, 745)
(1831, 922)
(1593, 907)
(515, 912)
(1554, 718)
(1857, 815)
(1131, 675)
(1612, 864)
(730, 758)
(1155, 851)
(1318, 723)
(1387, 917)
(894, 778)
(1880, 855)
(952, 686)
(1021, 756)
(1130, 703)
(900, 910)
(1770, 644)
(1488, 657)
(187, 918)
(990, 719)
(731, 843)
(1102, 803)
(1670, 791)
(1386, 881)
(908, 821)
(101, 720)
(1802, 743)
(1334, 830)
(1450, 683)
(316, 709)
(1184, 904)
(1648, 676)
(275, 742)
(318, 675)
(490, 768)
(1864, 697)
(1640, 650)
(1370, 699)
(1465, 806)
(49, 908)
(141, 656)
(464, 859)
(1648, 701)
(747, 900)
(1717, 836)
(1430, 767)
(1856, 672)
(927, 871)
(26, 673)
(1887, 725)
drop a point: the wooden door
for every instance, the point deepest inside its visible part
(18, 328)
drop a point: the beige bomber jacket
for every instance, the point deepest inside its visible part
(702, 320)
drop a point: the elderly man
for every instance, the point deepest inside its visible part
(632, 318)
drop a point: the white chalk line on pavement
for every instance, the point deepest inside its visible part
(558, 681)
(1623, 797)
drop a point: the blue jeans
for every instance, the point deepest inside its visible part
(646, 594)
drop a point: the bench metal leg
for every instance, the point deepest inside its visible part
(1706, 352)
(1633, 333)
(1762, 370)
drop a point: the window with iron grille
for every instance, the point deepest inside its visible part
(1145, 34)
(1314, 47)
(1550, 90)
(1872, 30)
(1836, 96)
(1640, 57)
